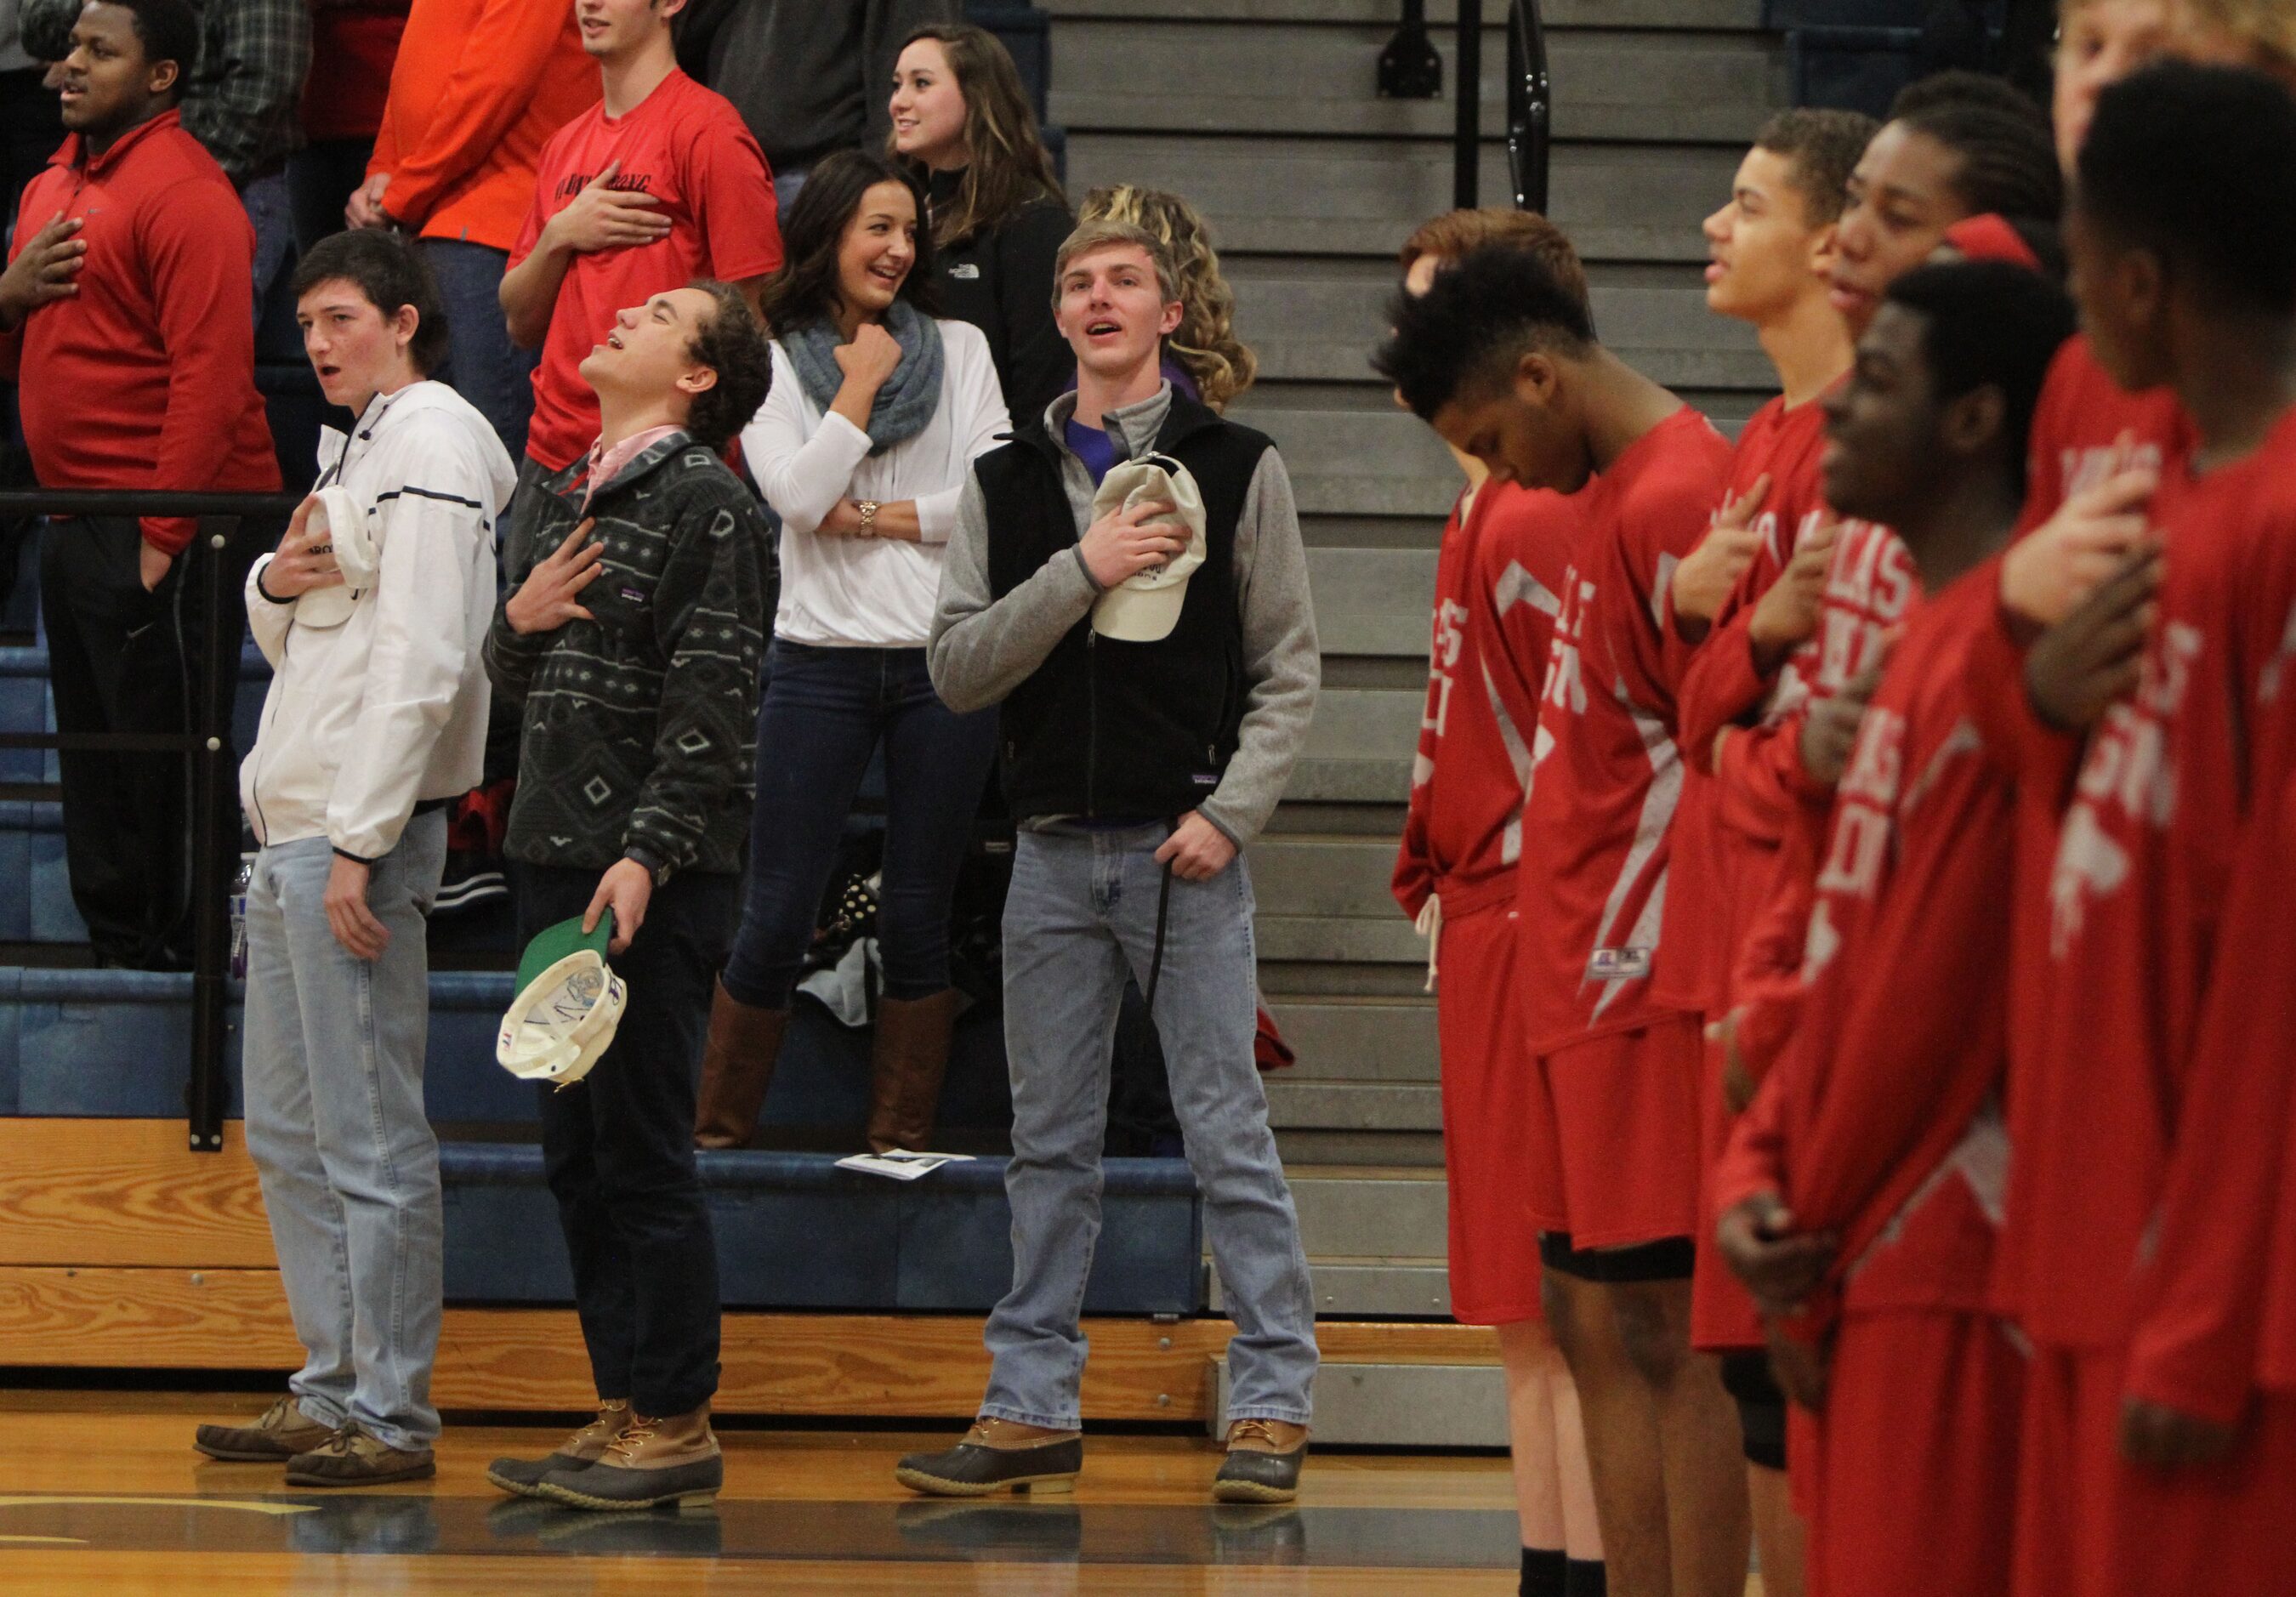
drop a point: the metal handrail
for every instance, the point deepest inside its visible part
(1530, 106)
(1410, 70)
(215, 810)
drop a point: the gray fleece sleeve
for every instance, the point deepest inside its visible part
(1281, 668)
(980, 650)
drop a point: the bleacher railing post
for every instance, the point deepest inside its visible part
(1467, 100)
(215, 850)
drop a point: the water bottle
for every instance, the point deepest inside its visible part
(239, 918)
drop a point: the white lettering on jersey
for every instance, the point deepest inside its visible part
(2084, 469)
(1519, 757)
(1566, 683)
(2127, 773)
(1863, 810)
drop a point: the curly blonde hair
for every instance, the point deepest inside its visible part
(1205, 343)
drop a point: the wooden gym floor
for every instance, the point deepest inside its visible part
(101, 1492)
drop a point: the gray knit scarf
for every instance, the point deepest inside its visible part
(907, 400)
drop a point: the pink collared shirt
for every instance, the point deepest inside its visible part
(605, 463)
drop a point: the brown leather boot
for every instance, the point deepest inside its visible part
(737, 1067)
(652, 1461)
(909, 1059)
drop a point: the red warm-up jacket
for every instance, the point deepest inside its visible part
(145, 379)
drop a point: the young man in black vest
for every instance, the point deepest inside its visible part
(1157, 668)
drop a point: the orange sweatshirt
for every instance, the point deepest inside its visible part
(478, 88)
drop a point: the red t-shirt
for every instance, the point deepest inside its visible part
(1497, 583)
(1606, 770)
(2146, 856)
(1718, 868)
(1881, 1123)
(145, 379)
(688, 147)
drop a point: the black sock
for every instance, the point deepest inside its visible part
(1542, 1572)
(1586, 1578)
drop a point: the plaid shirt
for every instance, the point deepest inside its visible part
(244, 98)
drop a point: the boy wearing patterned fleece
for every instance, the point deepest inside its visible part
(632, 637)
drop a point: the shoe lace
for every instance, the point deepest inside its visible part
(1253, 1431)
(280, 1414)
(634, 1435)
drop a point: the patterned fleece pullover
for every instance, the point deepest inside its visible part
(639, 729)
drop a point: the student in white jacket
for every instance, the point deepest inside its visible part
(863, 444)
(376, 721)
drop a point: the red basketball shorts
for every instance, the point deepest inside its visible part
(1914, 1481)
(1616, 1119)
(1489, 1082)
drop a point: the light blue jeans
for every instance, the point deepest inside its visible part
(332, 1068)
(1080, 917)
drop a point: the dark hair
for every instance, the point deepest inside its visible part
(168, 30)
(2008, 163)
(1475, 324)
(805, 289)
(1007, 165)
(1823, 147)
(1989, 323)
(390, 272)
(1959, 86)
(2197, 165)
(732, 345)
(1455, 232)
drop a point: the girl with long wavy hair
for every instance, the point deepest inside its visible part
(862, 449)
(963, 127)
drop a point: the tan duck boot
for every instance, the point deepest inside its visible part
(908, 1059)
(652, 1461)
(737, 1067)
(585, 1446)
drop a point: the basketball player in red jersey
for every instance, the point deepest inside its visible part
(2185, 259)
(1498, 578)
(1877, 1148)
(1506, 368)
(1772, 253)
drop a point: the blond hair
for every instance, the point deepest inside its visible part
(1205, 342)
(2268, 27)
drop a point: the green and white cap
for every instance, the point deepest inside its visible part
(569, 1002)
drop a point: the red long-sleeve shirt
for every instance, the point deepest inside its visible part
(1878, 1125)
(477, 89)
(145, 379)
(1497, 582)
(2145, 859)
(1606, 772)
(1718, 857)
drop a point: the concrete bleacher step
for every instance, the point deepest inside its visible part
(1128, 74)
(1404, 1404)
(1271, 194)
(1375, 1239)
(1441, 14)
(1318, 322)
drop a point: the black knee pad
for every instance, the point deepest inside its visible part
(1669, 1258)
(1761, 1407)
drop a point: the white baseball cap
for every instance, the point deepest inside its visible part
(569, 1004)
(1144, 607)
(338, 519)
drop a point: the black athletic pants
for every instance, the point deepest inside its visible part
(618, 1145)
(121, 660)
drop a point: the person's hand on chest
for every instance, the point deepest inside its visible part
(553, 593)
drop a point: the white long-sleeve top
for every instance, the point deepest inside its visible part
(874, 593)
(364, 720)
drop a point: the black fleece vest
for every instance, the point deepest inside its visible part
(1105, 729)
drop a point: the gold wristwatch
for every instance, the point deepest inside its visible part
(868, 508)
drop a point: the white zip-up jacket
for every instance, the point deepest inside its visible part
(365, 720)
